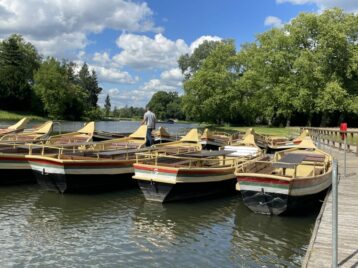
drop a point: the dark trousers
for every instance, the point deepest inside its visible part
(149, 140)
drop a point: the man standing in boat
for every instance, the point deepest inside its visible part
(150, 120)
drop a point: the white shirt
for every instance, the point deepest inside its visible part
(150, 119)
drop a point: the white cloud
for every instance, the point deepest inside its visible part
(63, 45)
(142, 52)
(172, 74)
(102, 58)
(155, 85)
(81, 54)
(273, 21)
(48, 22)
(123, 97)
(170, 80)
(347, 5)
(113, 91)
(201, 39)
(112, 75)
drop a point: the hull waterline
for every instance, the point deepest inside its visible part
(63, 183)
(165, 192)
(277, 204)
(163, 184)
(62, 176)
(15, 170)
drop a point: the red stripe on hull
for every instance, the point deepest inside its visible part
(203, 172)
(180, 171)
(154, 169)
(80, 164)
(262, 180)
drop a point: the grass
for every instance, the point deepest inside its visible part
(13, 116)
(275, 131)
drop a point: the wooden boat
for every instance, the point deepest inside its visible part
(39, 133)
(166, 178)
(301, 137)
(245, 147)
(14, 166)
(104, 135)
(90, 171)
(135, 140)
(293, 179)
(84, 134)
(13, 163)
(103, 166)
(214, 140)
(189, 143)
(18, 127)
(161, 135)
(277, 143)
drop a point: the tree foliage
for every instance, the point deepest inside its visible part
(307, 69)
(60, 96)
(18, 61)
(211, 91)
(189, 64)
(47, 87)
(88, 81)
(166, 105)
(107, 105)
(129, 112)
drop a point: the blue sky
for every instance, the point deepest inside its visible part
(134, 45)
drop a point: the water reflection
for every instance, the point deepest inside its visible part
(73, 209)
(186, 234)
(40, 228)
(268, 241)
(179, 220)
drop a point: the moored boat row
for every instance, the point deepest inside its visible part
(172, 171)
(92, 167)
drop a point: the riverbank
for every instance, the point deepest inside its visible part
(264, 130)
(13, 116)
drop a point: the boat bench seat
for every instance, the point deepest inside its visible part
(319, 170)
(310, 157)
(76, 157)
(69, 139)
(267, 169)
(183, 163)
(301, 171)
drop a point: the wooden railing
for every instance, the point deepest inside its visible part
(332, 137)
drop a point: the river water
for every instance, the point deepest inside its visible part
(122, 229)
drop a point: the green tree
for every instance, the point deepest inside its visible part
(18, 61)
(190, 64)
(165, 105)
(296, 69)
(61, 98)
(211, 91)
(88, 81)
(107, 105)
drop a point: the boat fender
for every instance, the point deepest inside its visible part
(154, 185)
(44, 172)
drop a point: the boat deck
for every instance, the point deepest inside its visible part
(319, 252)
(200, 159)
